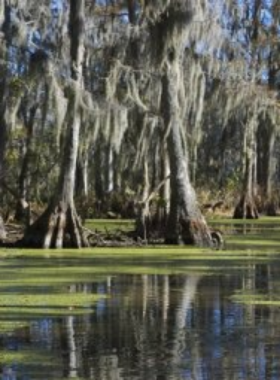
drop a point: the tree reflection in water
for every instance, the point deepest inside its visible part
(159, 327)
(8, 373)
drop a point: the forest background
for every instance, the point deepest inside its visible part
(122, 108)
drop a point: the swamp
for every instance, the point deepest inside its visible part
(160, 312)
(139, 189)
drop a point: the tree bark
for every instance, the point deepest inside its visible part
(164, 205)
(3, 138)
(60, 225)
(131, 5)
(2, 230)
(246, 207)
(3, 125)
(266, 169)
(5, 26)
(109, 168)
(82, 175)
(117, 180)
(99, 186)
(186, 224)
(23, 207)
(143, 219)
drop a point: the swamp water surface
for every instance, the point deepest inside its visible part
(149, 314)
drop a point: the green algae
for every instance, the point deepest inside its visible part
(69, 300)
(39, 363)
(26, 357)
(35, 283)
(15, 308)
(7, 327)
(110, 224)
(75, 266)
(263, 220)
(249, 298)
(87, 267)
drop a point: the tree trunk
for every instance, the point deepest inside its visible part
(117, 180)
(3, 137)
(131, 5)
(186, 223)
(5, 26)
(143, 219)
(246, 207)
(3, 125)
(266, 168)
(98, 177)
(82, 182)
(2, 230)
(164, 204)
(168, 29)
(23, 207)
(194, 160)
(60, 225)
(109, 168)
(270, 166)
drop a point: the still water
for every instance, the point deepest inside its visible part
(145, 326)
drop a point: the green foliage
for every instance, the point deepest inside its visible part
(233, 183)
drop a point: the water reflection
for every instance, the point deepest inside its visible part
(156, 328)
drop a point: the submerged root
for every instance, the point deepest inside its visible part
(246, 209)
(217, 239)
(196, 232)
(191, 232)
(271, 208)
(58, 227)
(151, 226)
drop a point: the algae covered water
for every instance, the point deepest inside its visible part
(155, 313)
